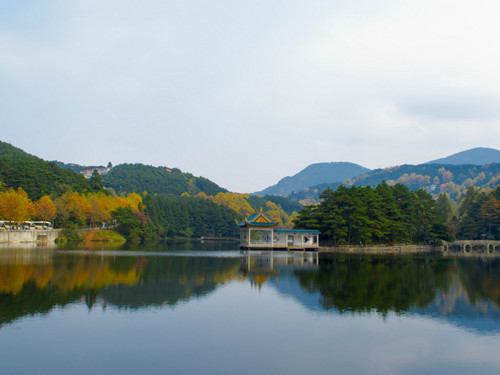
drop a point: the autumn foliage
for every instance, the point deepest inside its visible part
(91, 209)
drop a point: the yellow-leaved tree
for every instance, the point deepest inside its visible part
(15, 205)
(45, 209)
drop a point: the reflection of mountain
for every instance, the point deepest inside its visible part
(455, 308)
(288, 285)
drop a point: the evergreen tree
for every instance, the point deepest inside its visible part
(382, 215)
(96, 181)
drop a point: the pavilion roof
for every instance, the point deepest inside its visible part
(257, 220)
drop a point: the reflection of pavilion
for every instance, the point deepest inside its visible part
(261, 267)
(258, 232)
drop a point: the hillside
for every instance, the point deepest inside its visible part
(314, 174)
(475, 156)
(36, 176)
(128, 178)
(434, 178)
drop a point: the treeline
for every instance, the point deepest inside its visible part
(188, 217)
(381, 215)
(476, 217)
(71, 209)
(245, 205)
(207, 215)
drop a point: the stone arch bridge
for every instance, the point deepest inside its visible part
(472, 247)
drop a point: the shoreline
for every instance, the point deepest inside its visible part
(382, 249)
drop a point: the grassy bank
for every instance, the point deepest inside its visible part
(107, 236)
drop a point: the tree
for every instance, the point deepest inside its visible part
(45, 209)
(96, 181)
(15, 205)
(73, 208)
(444, 207)
(128, 223)
(469, 224)
(490, 216)
(385, 214)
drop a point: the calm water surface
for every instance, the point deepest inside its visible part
(192, 308)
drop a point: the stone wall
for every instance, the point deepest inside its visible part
(382, 249)
(13, 236)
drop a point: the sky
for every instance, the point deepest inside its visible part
(247, 92)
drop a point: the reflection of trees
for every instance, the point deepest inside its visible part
(481, 279)
(168, 280)
(31, 288)
(123, 281)
(354, 283)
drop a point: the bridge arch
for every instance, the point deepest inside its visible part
(470, 247)
(490, 248)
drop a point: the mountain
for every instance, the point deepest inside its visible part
(476, 156)
(36, 176)
(128, 178)
(314, 174)
(433, 178)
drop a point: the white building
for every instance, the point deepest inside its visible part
(258, 232)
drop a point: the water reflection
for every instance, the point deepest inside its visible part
(465, 292)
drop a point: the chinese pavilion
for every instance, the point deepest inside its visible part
(258, 232)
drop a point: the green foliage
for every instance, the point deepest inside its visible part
(156, 180)
(287, 205)
(96, 181)
(128, 223)
(479, 215)
(36, 176)
(189, 217)
(363, 215)
(363, 284)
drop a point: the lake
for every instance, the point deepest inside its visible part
(207, 308)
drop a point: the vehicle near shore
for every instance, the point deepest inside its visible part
(36, 225)
(5, 225)
(25, 225)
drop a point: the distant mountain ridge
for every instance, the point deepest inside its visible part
(315, 174)
(475, 156)
(478, 167)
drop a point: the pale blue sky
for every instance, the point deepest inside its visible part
(245, 93)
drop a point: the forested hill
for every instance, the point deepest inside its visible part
(314, 174)
(36, 176)
(129, 178)
(433, 178)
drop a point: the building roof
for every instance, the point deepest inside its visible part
(305, 231)
(257, 220)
